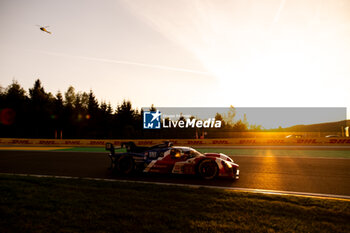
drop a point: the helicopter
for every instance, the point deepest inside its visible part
(43, 28)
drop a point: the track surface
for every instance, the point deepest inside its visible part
(315, 175)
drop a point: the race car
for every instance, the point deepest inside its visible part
(168, 159)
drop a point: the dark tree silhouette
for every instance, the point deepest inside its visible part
(39, 114)
(14, 111)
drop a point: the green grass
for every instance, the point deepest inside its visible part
(89, 149)
(281, 152)
(29, 204)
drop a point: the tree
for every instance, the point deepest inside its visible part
(41, 108)
(125, 119)
(245, 121)
(152, 108)
(229, 116)
(218, 117)
(37, 93)
(59, 99)
(70, 96)
(2, 96)
(13, 111)
(255, 128)
(125, 113)
(109, 109)
(14, 95)
(80, 115)
(92, 104)
(240, 126)
(84, 97)
(58, 111)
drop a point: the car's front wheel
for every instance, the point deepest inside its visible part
(125, 165)
(208, 169)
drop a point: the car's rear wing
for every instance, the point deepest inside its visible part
(110, 147)
(131, 147)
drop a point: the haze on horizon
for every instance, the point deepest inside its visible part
(272, 53)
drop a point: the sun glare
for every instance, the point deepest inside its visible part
(281, 53)
(278, 70)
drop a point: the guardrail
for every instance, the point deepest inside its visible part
(179, 142)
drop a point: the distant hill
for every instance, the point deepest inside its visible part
(322, 127)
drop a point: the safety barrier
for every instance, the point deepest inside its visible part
(180, 142)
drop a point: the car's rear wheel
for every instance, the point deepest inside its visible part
(208, 169)
(125, 165)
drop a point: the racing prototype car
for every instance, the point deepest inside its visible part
(166, 158)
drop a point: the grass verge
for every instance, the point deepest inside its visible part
(282, 152)
(89, 149)
(29, 204)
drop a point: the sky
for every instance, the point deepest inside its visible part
(184, 53)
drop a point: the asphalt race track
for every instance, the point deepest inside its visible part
(314, 175)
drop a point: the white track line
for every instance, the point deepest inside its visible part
(262, 191)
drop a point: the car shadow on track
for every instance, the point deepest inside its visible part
(174, 179)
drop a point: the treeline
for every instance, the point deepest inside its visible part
(40, 114)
